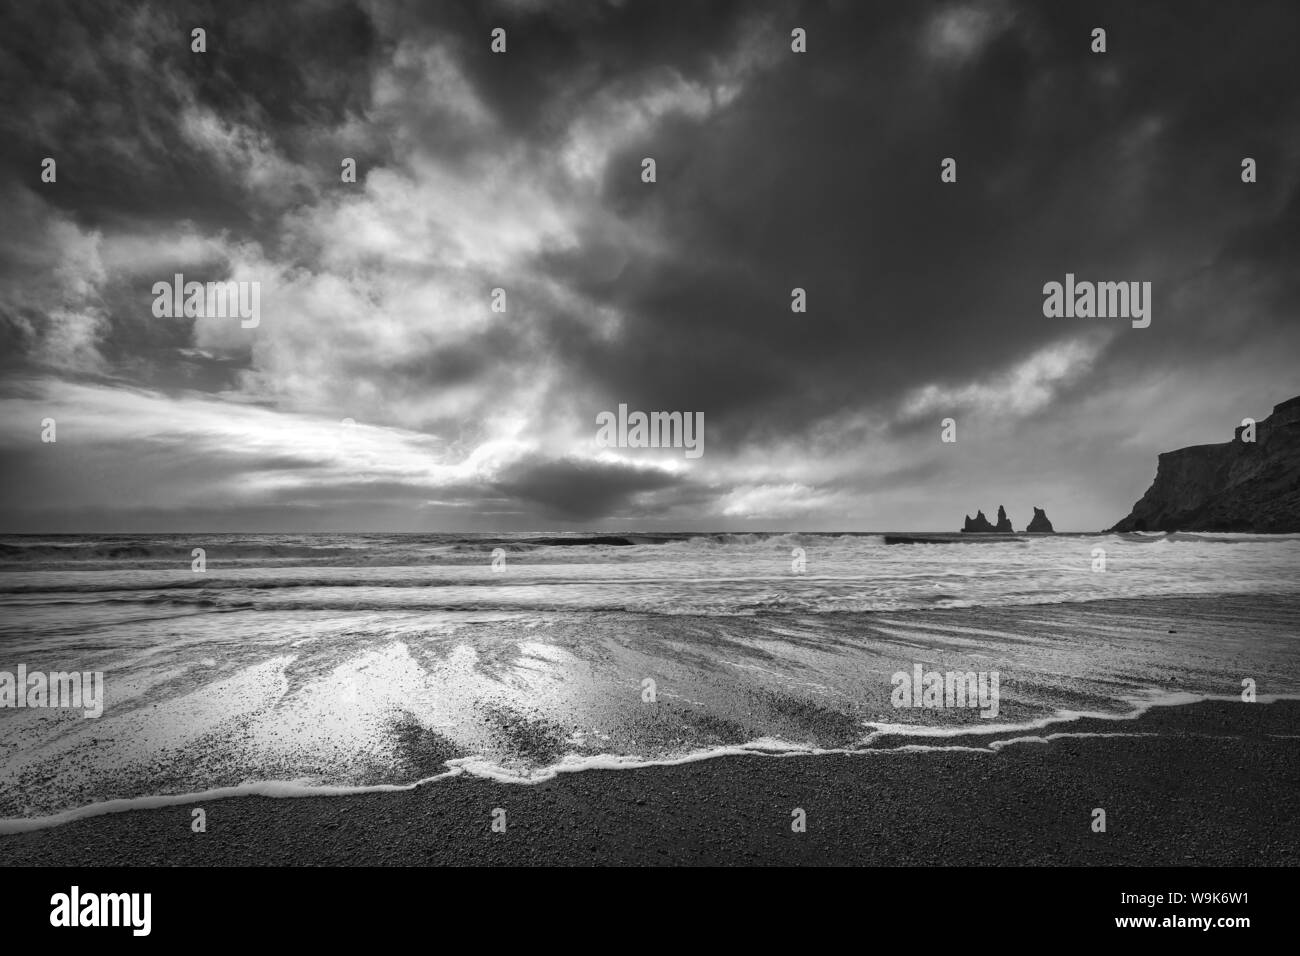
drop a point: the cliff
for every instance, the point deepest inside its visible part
(1238, 485)
(1040, 524)
(980, 523)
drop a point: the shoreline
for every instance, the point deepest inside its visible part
(1209, 783)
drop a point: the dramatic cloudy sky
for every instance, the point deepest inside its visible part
(522, 171)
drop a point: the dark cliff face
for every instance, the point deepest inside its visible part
(1040, 524)
(1236, 486)
(980, 523)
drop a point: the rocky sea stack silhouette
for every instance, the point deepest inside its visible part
(1240, 485)
(981, 524)
(1040, 524)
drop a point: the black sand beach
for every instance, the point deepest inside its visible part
(1215, 783)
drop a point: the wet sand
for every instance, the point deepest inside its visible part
(1214, 783)
(378, 699)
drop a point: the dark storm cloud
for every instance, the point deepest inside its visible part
(563, 53)
(775, 170)
(104, 88)
(151, 139)
(825, 176)
(580, 490)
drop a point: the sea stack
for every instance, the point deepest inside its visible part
(980, 523)
(1040, 524)
(1004, 523)
(1251, 483)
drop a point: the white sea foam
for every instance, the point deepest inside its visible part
(270, 788)
(571, 763)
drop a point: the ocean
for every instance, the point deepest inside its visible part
(313, 663)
